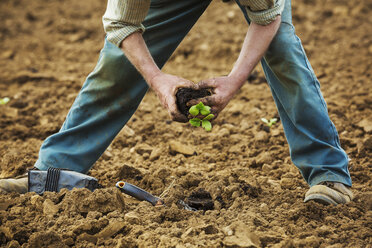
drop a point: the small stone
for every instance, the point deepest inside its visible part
(204, 46)
(155, 154)
(223, 132)
(128, 131)
(36, 199)
(11, 112)
(7, 54)
(261, 136)
(43, 121)
(341, 10)
(146, 107)
(287, 183)
(227, 230)
(87, 237)
(264, 158)
(13, 244)
(189, 232)
(111, 229)
(177, 147)
(264, 207)
(266, 168)
(49, 208)
(143, 148)
(235, 195)
(237, 149)
(69, 241)
(229, 127)
(107, 155)
(242, 237)
(132, 218)
(275, 132)
(366, 124)
(230, 14)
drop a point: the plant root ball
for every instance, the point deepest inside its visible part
(184, 95)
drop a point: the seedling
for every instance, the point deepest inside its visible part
(269, 123)
(4, 100)
(205, 112)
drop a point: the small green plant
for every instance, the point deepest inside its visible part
(4, 100)
(205, 112)
(269, 123)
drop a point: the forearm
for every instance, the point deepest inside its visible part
(256, 42)
(135, 49)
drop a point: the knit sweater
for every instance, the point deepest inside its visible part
(124, 17)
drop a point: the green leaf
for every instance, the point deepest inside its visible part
(264, 120)
(206, 125)
(200, 106)
(273, 120)
(208, 117)
(4, 100)
(206, 110)
(194, 110)
(195, 122)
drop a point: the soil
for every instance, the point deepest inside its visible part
(184, 95)
(49, 47)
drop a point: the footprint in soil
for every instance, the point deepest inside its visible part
(200, 200)
(184, 95)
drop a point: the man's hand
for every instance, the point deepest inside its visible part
(256, 42)
(166, 86)
(223, 88)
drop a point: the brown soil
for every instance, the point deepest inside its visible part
(184, 95)
(49, 47)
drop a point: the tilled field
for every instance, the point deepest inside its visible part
(49, 47)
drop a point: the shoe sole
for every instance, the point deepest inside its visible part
(325, 200)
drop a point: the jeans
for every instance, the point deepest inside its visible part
(113, 91)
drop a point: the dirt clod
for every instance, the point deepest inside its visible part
(184, 95)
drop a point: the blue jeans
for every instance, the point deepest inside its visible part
(113, 91)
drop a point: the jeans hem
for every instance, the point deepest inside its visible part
(330, 178)
(41, 166)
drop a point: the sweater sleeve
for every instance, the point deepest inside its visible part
(124, 17)
(263, 12)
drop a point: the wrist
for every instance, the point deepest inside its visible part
(237, 79)
(152, 76)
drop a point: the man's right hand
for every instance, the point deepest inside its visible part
(166, 86)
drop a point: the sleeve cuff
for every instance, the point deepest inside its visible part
(116, 36)
(266, 17)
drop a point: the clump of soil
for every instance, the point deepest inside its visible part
(200, 200)
(184, 95)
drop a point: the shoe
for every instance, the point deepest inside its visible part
(329, 193)
(18, 185)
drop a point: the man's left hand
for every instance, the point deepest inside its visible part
(223, 89)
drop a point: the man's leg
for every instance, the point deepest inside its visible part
(313, 140)
(113, 91)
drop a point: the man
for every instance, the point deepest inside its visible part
(131, 58)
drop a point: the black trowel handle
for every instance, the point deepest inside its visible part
(138, 193)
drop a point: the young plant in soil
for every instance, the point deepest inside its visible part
(270, 122)
(4, 100)
(184, 95)
(204, 112)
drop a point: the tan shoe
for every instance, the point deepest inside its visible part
(329, 193)
(18, 184)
